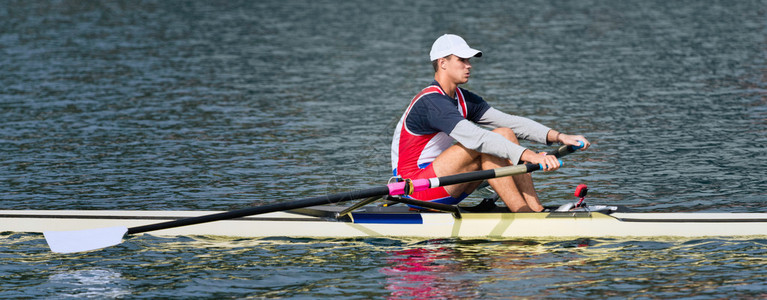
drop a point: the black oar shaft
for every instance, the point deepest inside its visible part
(327, 199)
(487, 174)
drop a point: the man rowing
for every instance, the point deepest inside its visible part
(439, 134)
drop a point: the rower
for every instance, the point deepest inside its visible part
(441, 134)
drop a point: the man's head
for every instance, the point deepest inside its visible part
(451, 44)
(450, 58)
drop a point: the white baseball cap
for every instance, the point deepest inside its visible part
(452, 44)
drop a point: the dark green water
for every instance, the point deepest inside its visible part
(163, 105)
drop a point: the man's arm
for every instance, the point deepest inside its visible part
(524, 128)
(530, 130)
(482, 140)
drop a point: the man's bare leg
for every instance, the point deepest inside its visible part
(525, 186)
(522, 186)
(506, 187)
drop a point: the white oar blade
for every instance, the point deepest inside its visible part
(84, 240)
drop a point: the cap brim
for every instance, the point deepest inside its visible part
(468, 53)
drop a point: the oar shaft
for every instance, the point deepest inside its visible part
(327, 199)
(487, 174)
(393, 189)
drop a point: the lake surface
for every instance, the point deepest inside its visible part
(191, 105)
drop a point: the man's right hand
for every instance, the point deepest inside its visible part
(549, 162)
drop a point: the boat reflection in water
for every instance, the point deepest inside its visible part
(576, 268)
(448, 268)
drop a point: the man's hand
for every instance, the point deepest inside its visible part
(549, 162)
(573, 140)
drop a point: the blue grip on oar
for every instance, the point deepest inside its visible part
(561, 163)
(580, 145)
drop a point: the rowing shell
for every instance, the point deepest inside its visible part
(372, 221)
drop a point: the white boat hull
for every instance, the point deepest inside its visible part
(424, 225)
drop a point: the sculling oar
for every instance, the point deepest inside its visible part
(92, 239)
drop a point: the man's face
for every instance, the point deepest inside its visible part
(457, 68)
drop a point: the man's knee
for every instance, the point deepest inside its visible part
(507, 133)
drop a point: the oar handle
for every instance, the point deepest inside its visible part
(565, 150)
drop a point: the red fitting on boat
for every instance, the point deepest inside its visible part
(581, 192)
